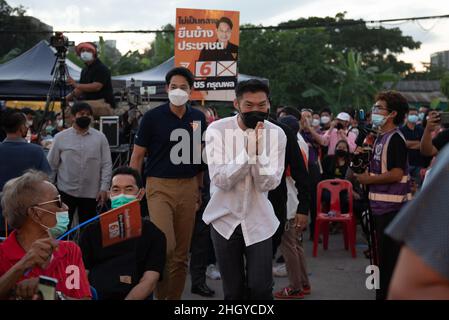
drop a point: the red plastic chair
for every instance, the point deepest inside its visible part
(335, 186)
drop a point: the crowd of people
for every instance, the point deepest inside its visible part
(232, 208)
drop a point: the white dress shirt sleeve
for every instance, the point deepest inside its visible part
(106, 165)
(54, 158)
(269, 167)
(224, 172)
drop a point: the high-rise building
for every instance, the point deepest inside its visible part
(440, 59)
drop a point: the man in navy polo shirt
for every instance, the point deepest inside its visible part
(171, 135)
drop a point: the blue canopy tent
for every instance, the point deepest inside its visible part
(28, 76)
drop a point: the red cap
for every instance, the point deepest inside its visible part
(85, 45)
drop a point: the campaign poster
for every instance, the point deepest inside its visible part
(121, 224)
(207, 43)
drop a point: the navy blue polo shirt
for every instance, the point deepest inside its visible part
(154, 133)
(16, 157)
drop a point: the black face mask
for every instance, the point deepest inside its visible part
(250, 119)
(341, 153)
(82, 122)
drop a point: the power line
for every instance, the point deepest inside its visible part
(283, 26)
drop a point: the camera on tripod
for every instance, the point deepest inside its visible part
(60, 42)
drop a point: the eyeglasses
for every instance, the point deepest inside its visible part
(58, 201)
(307, 110)
(377, 107)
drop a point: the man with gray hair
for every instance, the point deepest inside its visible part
(33, 207)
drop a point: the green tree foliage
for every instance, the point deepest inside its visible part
(161, 49)
(444, 83)
(329, 60)
(353, 85)
(377, 45)
(288, 58)
(14, 18)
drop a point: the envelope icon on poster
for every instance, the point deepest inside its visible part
(226, 69)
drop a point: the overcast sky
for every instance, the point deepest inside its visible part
(151, 14)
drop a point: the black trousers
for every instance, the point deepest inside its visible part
(388, 250)
(254, 283)
(87, 208)
(201, 251)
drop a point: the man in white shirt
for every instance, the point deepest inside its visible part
(246, 156)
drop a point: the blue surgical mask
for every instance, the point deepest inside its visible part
(412, 118)
(49, 129)
(378, 120)
(121, 200)
(62, 222)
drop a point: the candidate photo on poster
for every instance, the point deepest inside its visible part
(230, 51)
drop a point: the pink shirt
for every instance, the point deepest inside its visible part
(332, 137)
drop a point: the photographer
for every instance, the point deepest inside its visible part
(339, 131)
(95, 85)
(430, 147)
(387, 179)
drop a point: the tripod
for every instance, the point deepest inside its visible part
(367, 223)
(60, 73)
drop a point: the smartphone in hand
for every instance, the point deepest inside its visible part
(47, 288)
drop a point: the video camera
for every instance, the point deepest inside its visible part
(364, 141)
(60, 42)
(360, 161)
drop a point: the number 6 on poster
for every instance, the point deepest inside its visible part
(206, 69)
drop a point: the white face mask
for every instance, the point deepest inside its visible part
(315, 122)
(60, 123)
(178, 97)
(325, 120)
(86, 56)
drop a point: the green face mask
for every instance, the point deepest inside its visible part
(62, 222)
(121, 200)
